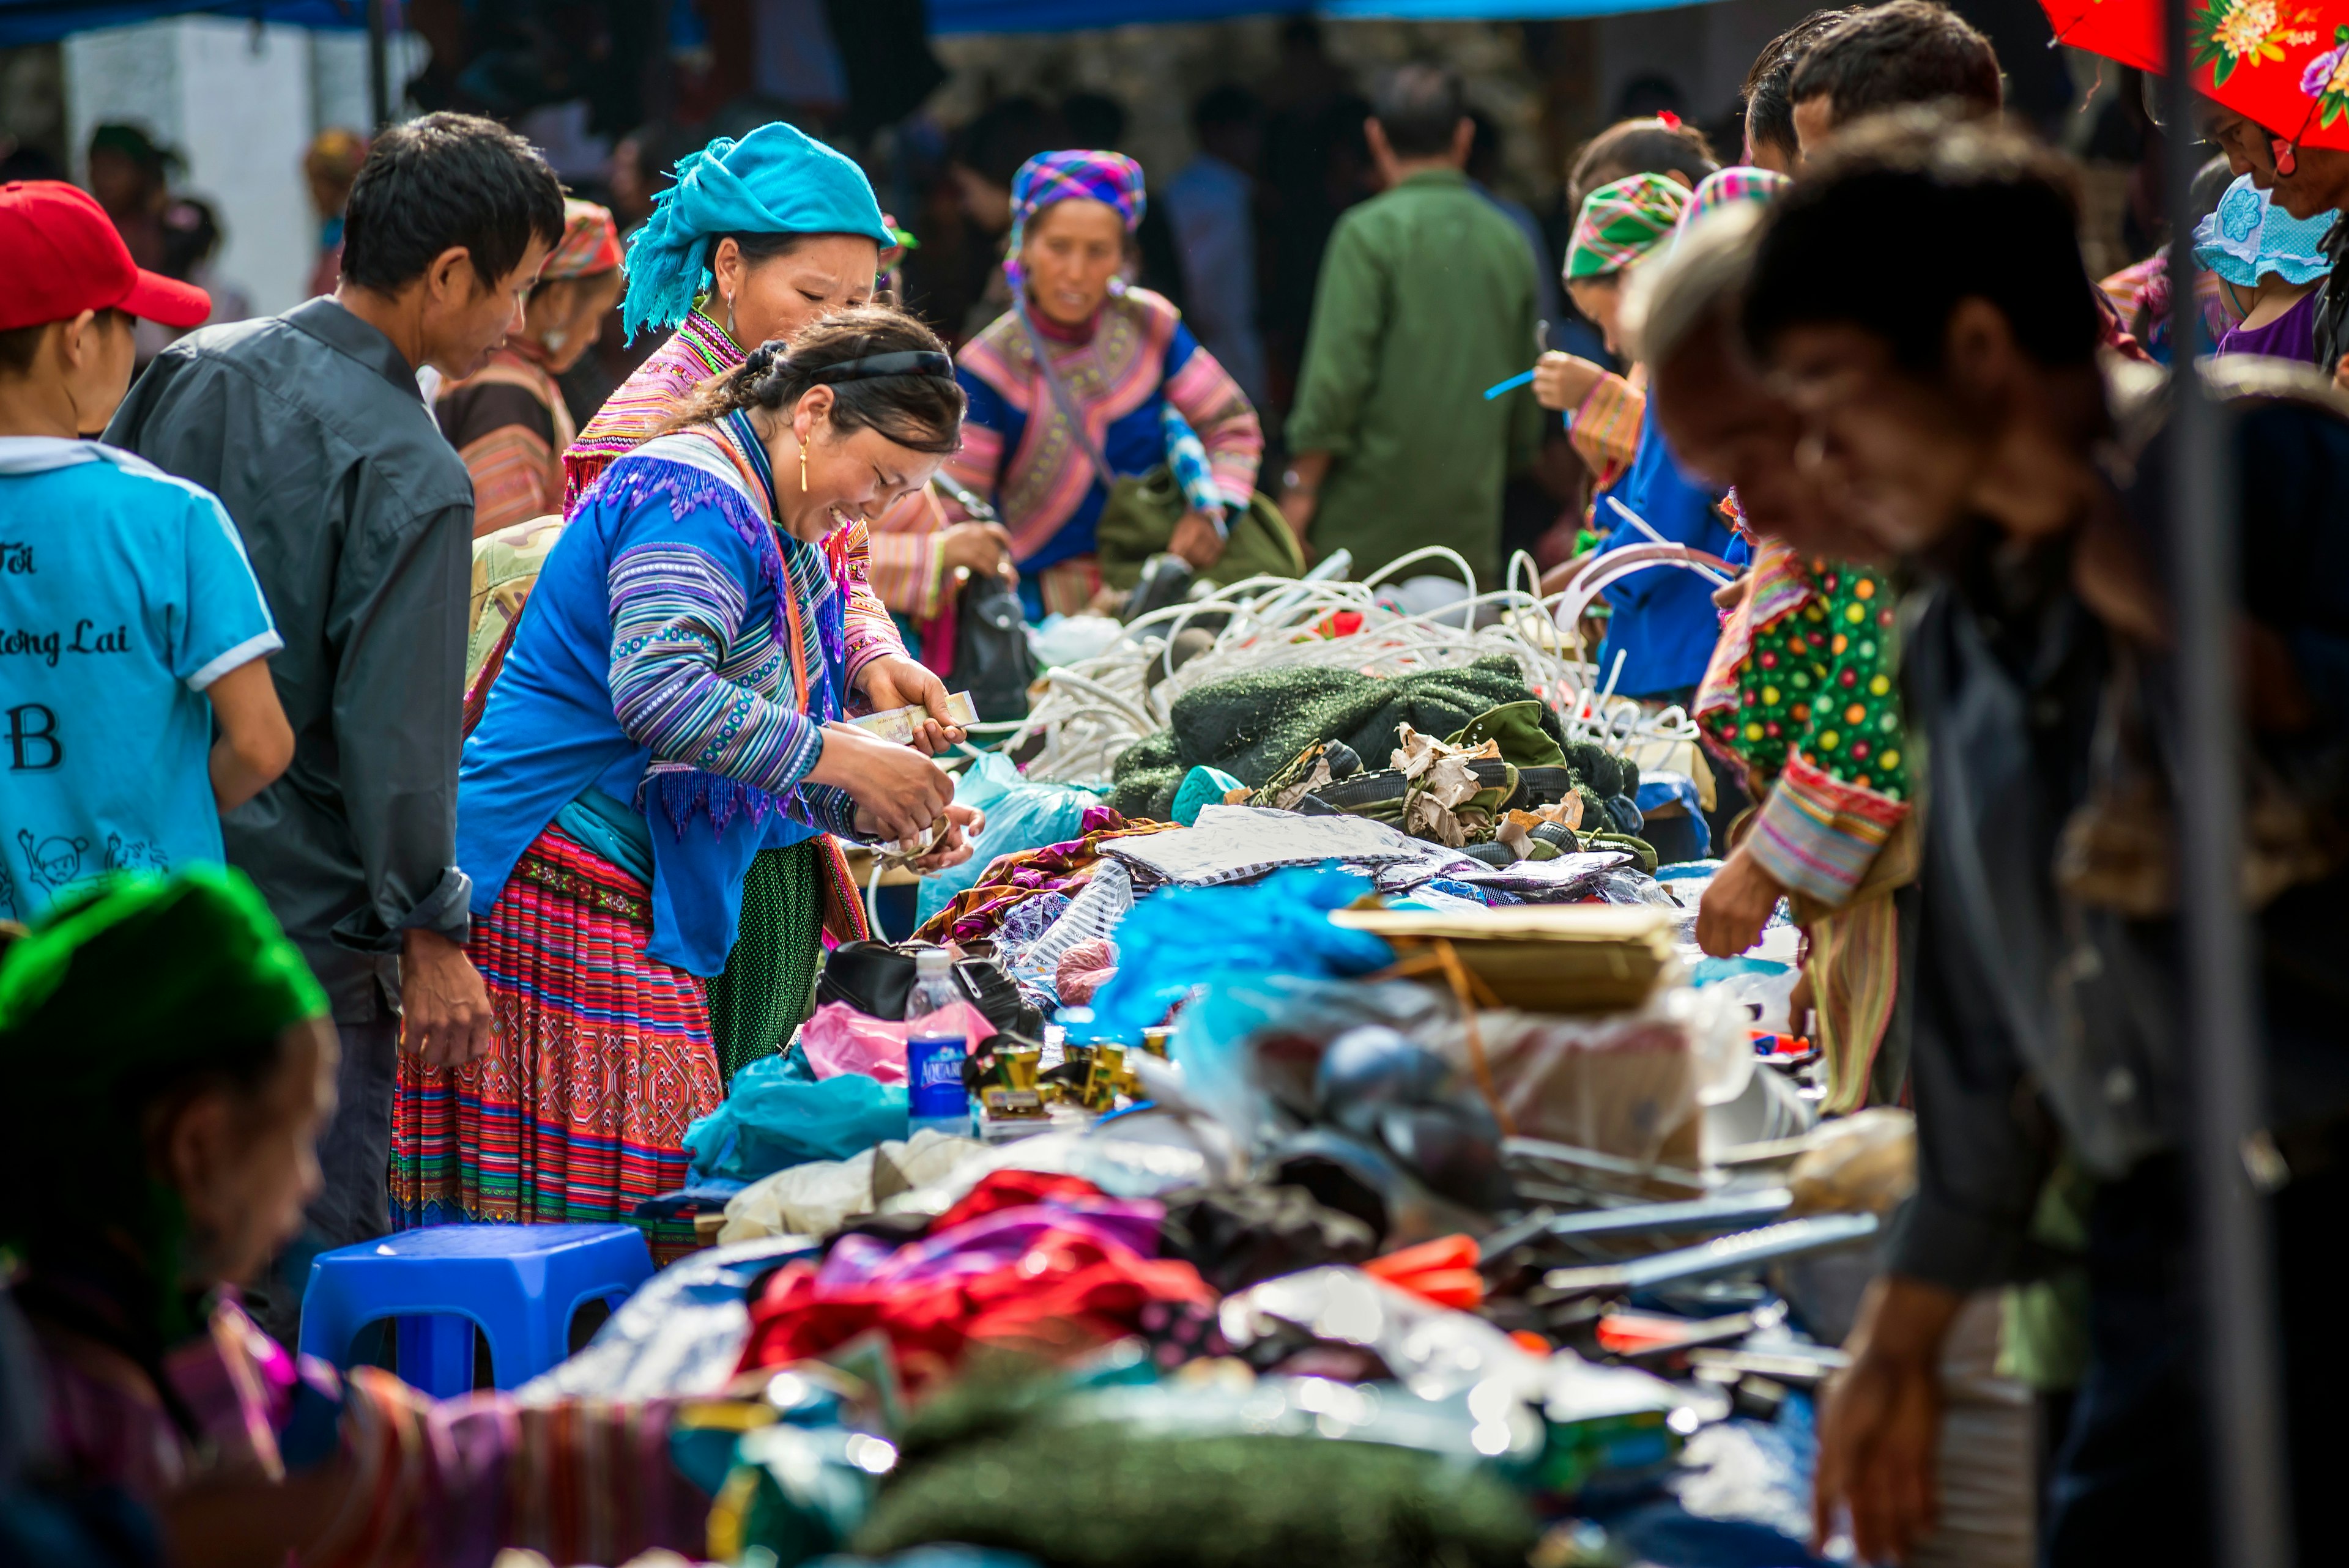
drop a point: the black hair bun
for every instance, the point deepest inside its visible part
(764, 358)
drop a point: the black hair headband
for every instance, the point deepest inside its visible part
(908, 362)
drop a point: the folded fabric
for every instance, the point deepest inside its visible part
(1020, 817)
(991, 1241)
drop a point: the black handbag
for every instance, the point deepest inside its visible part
(992, 660)
(875, 978)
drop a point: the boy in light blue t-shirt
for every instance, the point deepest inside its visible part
(130, 623)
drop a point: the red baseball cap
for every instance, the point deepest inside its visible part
(59, 256)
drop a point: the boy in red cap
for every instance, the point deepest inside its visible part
(130, 623)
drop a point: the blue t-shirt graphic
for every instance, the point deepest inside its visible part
(124, 593)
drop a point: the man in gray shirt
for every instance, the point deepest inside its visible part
(359, 519)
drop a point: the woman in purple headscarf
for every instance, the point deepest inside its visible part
(1069, 388)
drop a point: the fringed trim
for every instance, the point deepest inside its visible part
(682, 791)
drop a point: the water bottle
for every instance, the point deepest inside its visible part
(936, 1045)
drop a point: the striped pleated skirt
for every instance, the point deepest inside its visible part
(600, 1058)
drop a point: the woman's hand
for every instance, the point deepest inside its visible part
(893, 681)
(963, 825)
(1561, 381)
(899, 792)
(1197, 541)
(982, 549)
(1736, 905)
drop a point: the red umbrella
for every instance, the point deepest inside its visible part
(2283, 63)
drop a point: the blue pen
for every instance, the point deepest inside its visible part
(1513, 383)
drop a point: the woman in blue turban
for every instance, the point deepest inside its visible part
(757, 238)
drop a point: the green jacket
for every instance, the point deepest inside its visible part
(1426, 298)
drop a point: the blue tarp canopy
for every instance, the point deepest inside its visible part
(45, 21)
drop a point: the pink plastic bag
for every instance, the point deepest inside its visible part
(840, 1039)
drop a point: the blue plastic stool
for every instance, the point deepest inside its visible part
(519, 1283)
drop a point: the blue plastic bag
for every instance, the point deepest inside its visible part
(779, 1115)
(1019, 815)
(1181, 937)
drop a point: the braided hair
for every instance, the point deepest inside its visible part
(887, 372)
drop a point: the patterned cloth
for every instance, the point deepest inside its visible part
(980, 909)
(449, 1483)
(1621, 222)
(1803, 694)
(647, 400)
(600, 1057)
(2247, 238)
(1049, 177)
(1804, 680)
(510, 423)
(776, 181)
(1727, 187)
(2140, 298)
(590, 245)
(1135, 360)
(506, 563)
(1605, 432)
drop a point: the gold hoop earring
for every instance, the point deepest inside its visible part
(802, 471)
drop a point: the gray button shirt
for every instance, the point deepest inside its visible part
(359, 519)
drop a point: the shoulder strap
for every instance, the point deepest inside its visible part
(1062, 399)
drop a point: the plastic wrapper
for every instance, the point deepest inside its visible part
(1072, 639)
(1433, 1351)
(1625, 885)
(1862, 1163)
(1596, 1421)
(1625, 1084)
(1250, 1046)
(840, 1039)
(777, 1115)
(680, 1333)
(1761, 989)
(1021, 816)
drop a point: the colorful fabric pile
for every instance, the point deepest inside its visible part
(1041, 1265)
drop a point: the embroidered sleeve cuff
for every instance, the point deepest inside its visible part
(832, 810)
(1605, 430)
(1817, 836)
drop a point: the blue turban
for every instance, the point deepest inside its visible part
(775, 180)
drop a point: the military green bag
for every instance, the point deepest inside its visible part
(1139, 518)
